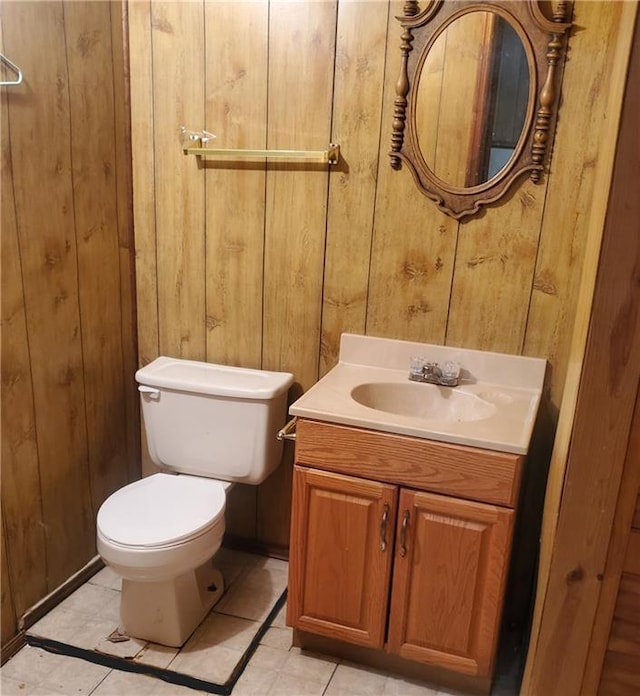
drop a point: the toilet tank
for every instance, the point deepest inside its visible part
(212, 420)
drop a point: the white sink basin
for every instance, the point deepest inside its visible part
(494, 406)
(419, 400)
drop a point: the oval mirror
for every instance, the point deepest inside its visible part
(476, 99)
(471, 97)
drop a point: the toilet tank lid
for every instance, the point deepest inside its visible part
(209, 378)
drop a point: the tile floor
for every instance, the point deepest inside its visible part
(276, 668)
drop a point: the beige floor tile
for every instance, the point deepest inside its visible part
(41, 672)
(222, 630)
(210, 665)
(14, 687)
(355, 680)
(253, 595)
(277, 637)
(267, 657)
(288, 685)
(156, 655)
(280, 619)
(232, 564)
(309, 666)
(131, 684)
(396, 686)
(95, 601)
(73, 628)
(255, 681)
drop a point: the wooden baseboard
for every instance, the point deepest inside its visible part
(254, 546)
(11, 647)
(381, 660)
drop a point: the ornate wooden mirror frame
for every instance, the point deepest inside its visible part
(543, 42)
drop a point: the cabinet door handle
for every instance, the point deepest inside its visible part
(403, 533)
(383, 528)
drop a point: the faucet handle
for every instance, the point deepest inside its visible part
(451, 370)
(416, 368)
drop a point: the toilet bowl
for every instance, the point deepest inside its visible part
(207, 426)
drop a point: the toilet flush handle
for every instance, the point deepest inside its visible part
(149, 392)
(288, 432)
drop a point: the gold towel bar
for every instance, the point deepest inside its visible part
(329, 156)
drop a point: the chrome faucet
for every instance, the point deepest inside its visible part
(447, 375)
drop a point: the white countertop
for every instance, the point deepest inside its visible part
(510, 384)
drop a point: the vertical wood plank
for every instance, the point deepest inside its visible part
(600, 434)
(143, 165)
(577, 150)
(414, 244)
(461, 67)
(357, 105)
(236, 110)
(143, 156)
(8, 623)
(23, 541)
(581, 322)
(493, 273)
(124, 189)
(178, 99)
(619, 553)
(87, 29)
(46, 231)
(301, 57)
(9, 626)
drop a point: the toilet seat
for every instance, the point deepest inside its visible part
(161, 511)
(161, 526)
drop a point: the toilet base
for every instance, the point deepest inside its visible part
(168, 612)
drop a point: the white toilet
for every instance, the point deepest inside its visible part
(209, 425)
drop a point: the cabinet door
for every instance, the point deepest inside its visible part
(340, 556)
(451, 564)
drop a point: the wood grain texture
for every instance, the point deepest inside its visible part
(620, 673)
(636, 515)
(467, 472)
(23, 536)
(601, 428)
(414, 245)
(143, 175)
(618, 553)
(236, 110)
(124, 187)
(301, 58)
(177, 39)
(448, 588)
(493, 273)
(632, 557)
(460, 73)
(49, 268)
(301, 63)
(386, 263)
(582, 142)
(64, 338)
(339, 574)
(358, 84)
(87, 29)
(9, 626)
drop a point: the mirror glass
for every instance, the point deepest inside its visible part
(471, 99)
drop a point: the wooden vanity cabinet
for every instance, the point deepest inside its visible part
(449, 573)
(342, 536)
(384, 565)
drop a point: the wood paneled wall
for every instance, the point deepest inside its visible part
(69, 410)
(266, 265)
